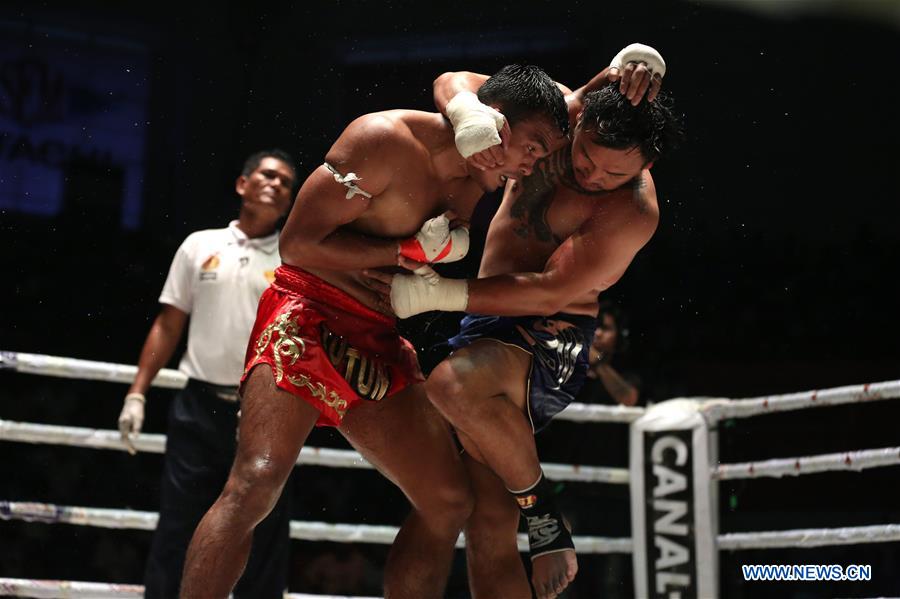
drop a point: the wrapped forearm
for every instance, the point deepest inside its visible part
(425, 290)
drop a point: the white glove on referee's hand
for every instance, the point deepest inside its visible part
(131, 419)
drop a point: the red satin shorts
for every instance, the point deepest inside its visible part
(327, 348)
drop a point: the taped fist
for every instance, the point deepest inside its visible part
(436, 242)
(476, 125)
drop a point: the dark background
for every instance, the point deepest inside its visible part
(774, 268)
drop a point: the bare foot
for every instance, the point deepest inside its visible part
(552, 572)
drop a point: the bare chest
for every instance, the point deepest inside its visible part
(530, 225)
(400, 210)
(545, 213)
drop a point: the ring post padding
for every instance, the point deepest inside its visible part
(673, 512)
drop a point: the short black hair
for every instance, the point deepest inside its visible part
(253, 160)
(652, 127)
(524, 92)
(620, 317)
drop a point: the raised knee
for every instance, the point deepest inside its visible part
(446, 389)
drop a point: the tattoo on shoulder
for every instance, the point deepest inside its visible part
(639, 191)
(530, 208)
(538, 189)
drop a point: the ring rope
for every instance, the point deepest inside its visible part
(811, 537)
(172, 379)
(309, 456)
(65, 589)
(720, 409)
(49, 513)
(851, 460)
(362, 533)
(580, 412)
(713, 410)
(72, 368)
(19, 587)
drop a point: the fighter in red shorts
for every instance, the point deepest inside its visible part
(331, 358)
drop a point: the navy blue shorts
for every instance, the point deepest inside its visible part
(558, 345)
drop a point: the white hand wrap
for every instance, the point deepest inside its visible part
(425, 291)
(435, 242)
(640, 53)
(477, 126)
(131, 419)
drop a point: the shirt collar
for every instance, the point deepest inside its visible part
(267, 244)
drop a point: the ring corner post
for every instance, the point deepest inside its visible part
(674, 512)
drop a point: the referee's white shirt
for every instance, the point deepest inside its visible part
(217, 277)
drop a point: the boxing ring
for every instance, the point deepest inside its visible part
(673, 477)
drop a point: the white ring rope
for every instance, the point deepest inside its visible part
(364, 533)
(49, 513)
(309, 456)
(713, 410)
(811, 537)
(72, 368)
(173, 379)
(720, 409)
(581, 412)
(18, 587)
(63, 589)
(851, 460)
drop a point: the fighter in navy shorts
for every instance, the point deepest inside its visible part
(558, 345)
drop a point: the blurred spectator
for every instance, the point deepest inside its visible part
(606, 384)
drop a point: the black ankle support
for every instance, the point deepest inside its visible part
(547, 532)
